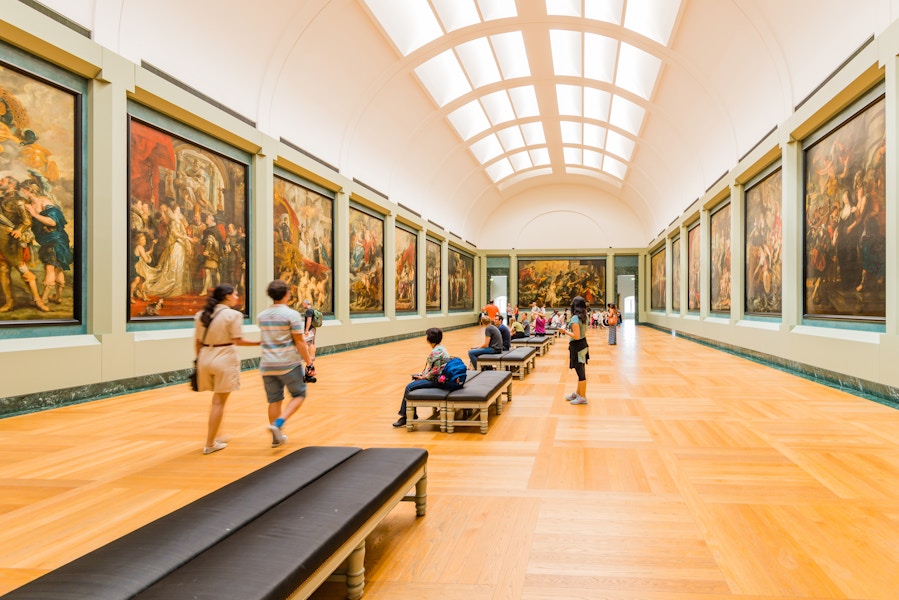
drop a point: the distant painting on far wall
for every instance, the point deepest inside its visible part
(406, 244)
(693, 269)
(304, 244)
(763, 245)
(719, 298)
(40, 201)
(657, 270)
(460, 277)
(187, 225)
(845, 219)
(675, 275)
(554, 282)
(432, 276)
(366, 263)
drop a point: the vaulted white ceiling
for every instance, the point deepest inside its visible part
(514, 123)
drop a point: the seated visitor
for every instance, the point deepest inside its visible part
(493, 342)
(517, 329)
(504, 332)
(437, 358)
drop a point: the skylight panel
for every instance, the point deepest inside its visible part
(487, 149)
(500, 169)
(566, 52)
(539, 156)
(626, 115)
(410, 24)
(469, 120)
(456, 14)
(652, 18)
(492, 10)
(637, 71)
(511, 54)
(524, 99)
(572, 132)
(533, 133)
(520, 161)
(573, 156)
(511, 138)
(444, 78)
(614, 167)
(594, 135)
(608, 11)
(620, 145)
(498, 107)
(596, 104)
(563, 8)
(593, 159)
(477, 58)
(570, 98)
(599, 57)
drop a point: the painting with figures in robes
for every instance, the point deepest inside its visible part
(764, 246)
(366, 263)
(432, 276)
(460, 278)
(719, 275)
(657, 274)
(406, 244)
(675, 275)
(40, 201)
(187, 224)
(693, 249)
(304, 244)
(552, 283)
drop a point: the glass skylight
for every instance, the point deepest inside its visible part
(469, 120)
(497, 9)
(511, 54)
(524, 99)
(620, 146)
(572, 133)
(637, 71)
(614, 167)
(444, 78)
(456, 14)
(477, 58)
(567, 52)
(653, 19)
(500, 169)
(533, 133)
(540, 156)
(599, 57)
(520, 161)
(498, 107)
(511, 138)
(593, 159)
(410, 23)
(626, 115)
(487, 149)
(608, 11)
(594, 135)
(571, 100)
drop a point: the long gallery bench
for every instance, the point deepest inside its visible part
(482, 390)
(517, 361)
(540, 343)
(278, 532)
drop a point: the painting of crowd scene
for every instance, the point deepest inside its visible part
(764, 245)
(845, 219)
(693, 269)
(188, 224)
(304, 244)
(40, 278)
(432, 275)
(552, 283)
(719, 276)
(460, 278)
(406, 244)
(366, 263)
(657, 274)
(675, 275)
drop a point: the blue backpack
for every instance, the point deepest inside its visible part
(453, 375)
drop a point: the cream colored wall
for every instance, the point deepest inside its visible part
(866, 352)
(110, 350)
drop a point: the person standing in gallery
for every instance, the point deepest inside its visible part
(578, 350)
(613, 324)
(219, 329)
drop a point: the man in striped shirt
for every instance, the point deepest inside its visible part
(283, 352)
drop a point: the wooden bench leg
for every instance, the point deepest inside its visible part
(485, 414)
(410, 416)
(355, 572)
(421, 495)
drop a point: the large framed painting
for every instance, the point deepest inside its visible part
(366, 262)
(432, 275)
(187, 225)
(304, 244)
(657, 271)
(675, 275)
(406, 260)
(719, 251)
(40, 200)
(460, 278)
(763, 240)
(845, 218)
(693, 252)
(552, 283)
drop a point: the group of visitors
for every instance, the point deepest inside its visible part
(288, 355)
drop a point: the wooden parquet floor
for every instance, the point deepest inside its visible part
(692, 474)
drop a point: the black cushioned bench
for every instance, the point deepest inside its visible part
(482, 389)
(518, 361)
(278, 532)
(540, 343)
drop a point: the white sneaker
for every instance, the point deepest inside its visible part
(278, 437)
(571, 396)
(215, 447)
(579, 400)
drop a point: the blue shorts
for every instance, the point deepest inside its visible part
(293, 380)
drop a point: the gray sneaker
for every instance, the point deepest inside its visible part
(579, 400)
